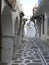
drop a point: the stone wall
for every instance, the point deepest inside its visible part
(7, 34)
(9, 29)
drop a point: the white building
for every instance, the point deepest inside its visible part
(43, 24)
(29, 29)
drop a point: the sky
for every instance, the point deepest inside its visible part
(28, 6)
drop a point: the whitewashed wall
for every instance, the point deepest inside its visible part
(45, 36)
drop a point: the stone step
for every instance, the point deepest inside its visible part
(1, 63)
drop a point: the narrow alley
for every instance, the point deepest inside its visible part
(24, 32)
(32, 52)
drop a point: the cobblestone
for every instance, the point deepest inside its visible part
(32, 54)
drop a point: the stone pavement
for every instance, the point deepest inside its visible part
(33, 52)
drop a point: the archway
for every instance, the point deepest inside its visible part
(15, 45)
(16, 25)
